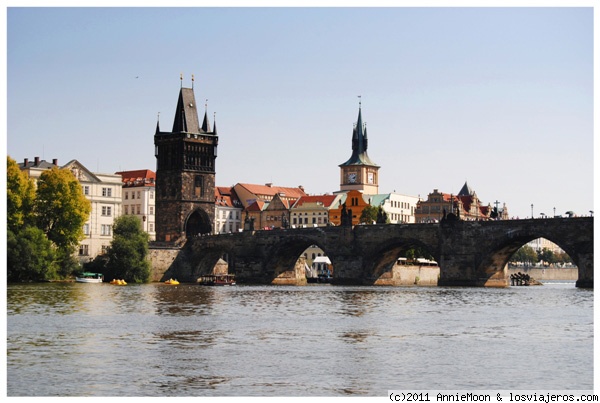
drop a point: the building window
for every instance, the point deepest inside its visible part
(105, 229)
(151, 194)
(106, 192)
(151, 210)
(106, 211)
(83, 250)
(86, 229)
(126, 210)
(86, 190)
(126, 195)
(199, 186)
(104, 249)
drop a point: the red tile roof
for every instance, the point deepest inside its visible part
(266, 190)
(325, 199)
(140, 177)
(226, 196)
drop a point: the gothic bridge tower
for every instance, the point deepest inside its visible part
(185, 173)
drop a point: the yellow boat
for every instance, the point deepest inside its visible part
(118, 282)
(172, 282)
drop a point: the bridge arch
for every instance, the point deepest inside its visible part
(381, 264)
(283, 261)
(197, 223)
(499, 252)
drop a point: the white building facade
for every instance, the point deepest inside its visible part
(398, 207)
(228, 211)
(139, 198)
(104, 193)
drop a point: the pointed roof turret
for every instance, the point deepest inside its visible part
(466, 190)
(214, 124)
(186, 115)
(205, 122)
(359, 144)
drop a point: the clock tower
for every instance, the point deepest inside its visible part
(359, 172)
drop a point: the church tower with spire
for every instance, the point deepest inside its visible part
(359, 172)
(185, 173)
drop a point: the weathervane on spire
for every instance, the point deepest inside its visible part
(192, 81)
(181, 80)
(206, 105)
(359, 101)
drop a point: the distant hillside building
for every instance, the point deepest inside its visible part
(139, 188)
(465, 205)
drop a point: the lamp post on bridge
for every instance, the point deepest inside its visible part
(554, 216)
(531, 210)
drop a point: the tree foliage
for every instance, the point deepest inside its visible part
(61, 208)
(44, 224)
(127, 257)
(30, 256)
(526, 255)
(20, 196)
(368, 215)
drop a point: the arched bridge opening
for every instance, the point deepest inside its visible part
(495, 262)
(294, 262)
(403, 262)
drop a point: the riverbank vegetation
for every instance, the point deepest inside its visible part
(127, 257)
(44, 224)
(528, 256)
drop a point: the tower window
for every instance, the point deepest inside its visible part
(199, 186)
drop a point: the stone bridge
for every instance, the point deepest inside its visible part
(469, 253)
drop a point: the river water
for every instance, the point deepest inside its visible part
(70, 339)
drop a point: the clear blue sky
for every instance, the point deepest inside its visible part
(499, 97)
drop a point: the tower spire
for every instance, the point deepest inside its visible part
(206, 123)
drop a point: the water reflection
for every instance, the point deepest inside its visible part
(187, 340)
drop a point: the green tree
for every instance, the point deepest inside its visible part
(128, 252)
(20, 196)
(61, 209)
(368, 215)
(547, 256)
(525, 254)
(30, 255)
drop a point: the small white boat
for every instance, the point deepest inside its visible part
(89, 278)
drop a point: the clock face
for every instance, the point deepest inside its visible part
(352, 177)
(371, 177)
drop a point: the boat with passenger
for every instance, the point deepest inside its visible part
(217, 280)
(87, 277)
(172, 282)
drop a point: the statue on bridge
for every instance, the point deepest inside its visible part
(248, 223)
(346, 217)
(382, 217)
